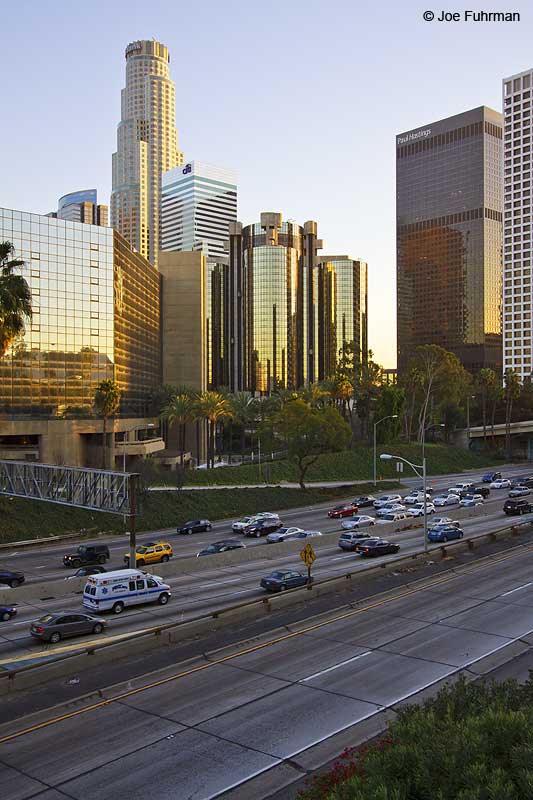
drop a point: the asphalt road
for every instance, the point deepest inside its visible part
(200, 593)
(243, 714)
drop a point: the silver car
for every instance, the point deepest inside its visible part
(360, 521)
(282, 534)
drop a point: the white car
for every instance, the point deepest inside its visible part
(387, 498)
(418, 509)
(390, 508)
(361, 521)
(241, 524)
(282, 534)
(436, 521)
(393, 516)
(501, 484)
(446, 500)
(415, 497)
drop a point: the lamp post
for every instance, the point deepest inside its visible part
(469, 397)
(415, 468)
(391, 416)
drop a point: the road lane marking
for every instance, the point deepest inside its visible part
(524, 586)
(335, 666)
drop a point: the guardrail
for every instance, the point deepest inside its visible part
(22, 677)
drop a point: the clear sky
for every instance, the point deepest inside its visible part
(303, 99)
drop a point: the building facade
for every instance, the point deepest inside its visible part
(82, 206)
(147, 146)
(449, 238)
(198, 203)
(517, 225)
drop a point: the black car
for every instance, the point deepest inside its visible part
(195, 526)
(7, 612)
(376, 547)
(280, 580)
(84, 572)
(221, 547)
(87, 554)
(262, 527)
(10, 578)
(484, 491)
(517, 507)
(365, 501)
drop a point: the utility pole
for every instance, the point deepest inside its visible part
(133, 486)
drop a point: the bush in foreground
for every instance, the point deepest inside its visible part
(473, 742)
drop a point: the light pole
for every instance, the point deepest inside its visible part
(415, 468)
(391, 416)
(469, 397)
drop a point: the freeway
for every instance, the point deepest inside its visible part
(253, 716)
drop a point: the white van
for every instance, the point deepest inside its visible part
(113, 591)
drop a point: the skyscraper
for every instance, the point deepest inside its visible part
(82, 206)
(449, 238)
(147, 146)
(198, 202)
(517, 227)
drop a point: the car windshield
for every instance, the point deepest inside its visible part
(282, 530)
(277, 575)
(213, 548)
(391, 517)
(82, 549)
(46, 618)
(141, 550)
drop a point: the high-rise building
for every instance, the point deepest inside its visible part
(449, 238)
(82, 206)
(198, 203)
(517, 226)
(147, 146)
(342, 312)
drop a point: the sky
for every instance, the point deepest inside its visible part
(302, 99)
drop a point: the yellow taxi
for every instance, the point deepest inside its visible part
(151, 553)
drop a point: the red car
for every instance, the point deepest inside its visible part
(343, 511)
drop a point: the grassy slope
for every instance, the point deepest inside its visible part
(27, 519)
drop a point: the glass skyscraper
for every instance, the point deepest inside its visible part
(198, 203)
(449, 240)
(82, 206)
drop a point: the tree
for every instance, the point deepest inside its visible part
(180, 411)
(308, 432)
(511, 393)
(15, 298)
(244, 409)
(390, 402)
(106, 404)
(213, 407)
(486, 382)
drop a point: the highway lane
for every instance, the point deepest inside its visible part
(195, 594)
(218, 722)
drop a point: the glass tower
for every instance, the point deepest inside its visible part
(82, 206)
(448, 228)
(147, 146)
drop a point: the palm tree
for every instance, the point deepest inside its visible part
(511, 393)
(106, 404)
(15, 298)
(244, 409)
(180, 410)
(213, 407)
(486, 382)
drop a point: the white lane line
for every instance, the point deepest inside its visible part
(335, 666)
(524, 586)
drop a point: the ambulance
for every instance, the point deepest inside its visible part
(113, 591)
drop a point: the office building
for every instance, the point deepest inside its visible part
(147, 146)
(449, 238)
(342, 313)
(517, 227)
(95, 316)
(82, 206)
(198, 203)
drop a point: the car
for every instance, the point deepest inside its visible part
(87, 554)
(359, 521)
(394, 516)
(54, 627)
(282, 534)
(390, 508)
(459, 488)
(484, 491)
(241, 524)
(444, 533)
(263, 527)
(415, 497)
(150, 553)
(7, 613)
(429, 489)
(13, 578)
(195, 526)
(517, 507)
(280, 580)
(502, 483)
(519, 491)
(307, 534)
(221, 547)
(438, 521)
(364, 501)
(349, 541)
(347, 510)
(418, 509)
(376, 547)
(491, 476)
(387, 498)
(446, 500)
(83, 572)
(470, 502)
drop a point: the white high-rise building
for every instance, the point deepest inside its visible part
(198, 202)
(517, 227)
(147, 146)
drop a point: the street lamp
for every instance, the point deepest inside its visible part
(415, 468)
(391, 416)
(469, 397)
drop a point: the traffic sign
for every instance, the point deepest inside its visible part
(308, 555)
